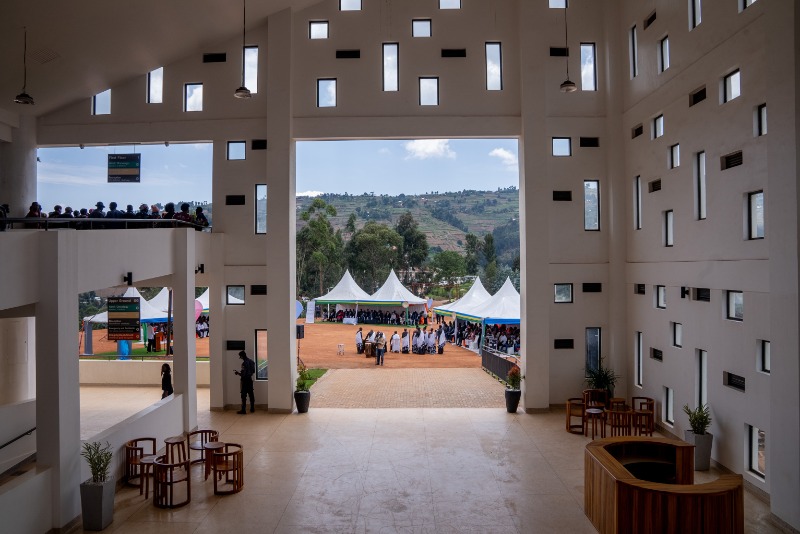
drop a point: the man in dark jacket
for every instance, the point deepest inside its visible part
(246, 374)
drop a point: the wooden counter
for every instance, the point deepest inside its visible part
(662, 496)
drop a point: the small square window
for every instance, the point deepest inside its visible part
(735, 306)
(562, 146)
(155, 86)
(558, 4)
(677, 335)
(731, 86)
(429, 91)
(101, 103)
(663, 54)
(669, 411)
(449, 4)
(563, 293)
(661, 297)
(235, 295)
(236, 150)
(193, 97)
(318, 29)
(758, 452)
(326, 93)
(349, 5)
(674, 156)
(658, 126)
(761, 120)
(764, 364)
(421, 28)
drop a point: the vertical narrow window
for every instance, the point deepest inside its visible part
(677, 335)
(391, 68)
(637, 350)
(744, 4)
(318, 29)
(449, 4)
(695, 13)
(637, 203)
(663, 54)
(261, 208)
(669, 411)
(661, 297)
(193, 97)
(735, 305)
(155, 86)
(421, 28)
(758, 452)
(761, 120)
(731, 86)
(494, 67)
(236, 150)
(764, 364)
(261, 354)
(755, 215)
(588, 67)
(634, 52)
(591, 205)
(562, 146)
(349, 5)
(702, 377)
(674, 156)
(326, 93)
(658, 126)
(251, 68)
(700, 177)
(669, 230)
(429, 91)
(593, 348)
(101, 103)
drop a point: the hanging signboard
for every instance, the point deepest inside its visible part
(123, 318)
(124, 168)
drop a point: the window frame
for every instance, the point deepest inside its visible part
(668, 414)
(658, 126)
(149, 99)
(499, 46)
(701, 186)
(730, 305)
(256, 358)
(702, 377)
(430, 28)
(589, 361)
(553, 147)
(256, 202)
(633, 51)
(397, 66)
(637, 203)
(669, 228)
(186, 97)
(753, 450)
(228, 295)
(728, 86)
(419, 88)
(677, 335)
(764, 356)
(312, 23)
(585, 205)
(752, 222)
(695, 13)
(675, 156)
(638, 352)
(663, 54)
(661, 297)
(593, 47)
(320, 81)
(555, 293)
(237, 143)
(761, 119)
(94, 111)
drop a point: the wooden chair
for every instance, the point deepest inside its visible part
(197, 441)
(595, 398)
(228, 470)
(175, 448)
(139, 456)
(619, 421)
(643, 415)
(167, 476)
(617, 403)
(575, 408)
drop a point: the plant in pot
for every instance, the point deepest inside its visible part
(602, 378)
(699, 421)
(513, 380)
(302, 394)
(97, 493)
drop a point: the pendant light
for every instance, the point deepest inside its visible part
(567, 86)
(24, 97)
(243, 92)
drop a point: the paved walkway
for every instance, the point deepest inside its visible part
(381, 387)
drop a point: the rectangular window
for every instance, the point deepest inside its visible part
(700, 178)
(654, 186)
(702, 377)
(391, 68)
(651, 18)
(236, 150)
(669, 412)
(588, 67)
(731, 86)
(101, 103)
(449, 4)
(637, 351)
(744, 4)
(318, 29)
(669, 230)
(637, 131)
(562, 146)
(193, 97)
(702, 294)
(349, 5)
(755, 215)
(261, 209)
(558, 4)
(735, 305)
(758, 452)
(591, 205)
(563, 293)
(251, 68)
(155, 86)
(677, 335)
(697, 96)
(728, 161)
(661, 297)
(658, 126)
(261, 355)
(695, 13)
(326, 93)
(633, 52)
(639, 289)
(763, 356)
(734, 381)
(429, 91)
(657, 354)
(234, 295)
(663, 54)
(761, 120)
(494, 67)
(637, 203)
(674, 156)
(593, 348)
(421, 28)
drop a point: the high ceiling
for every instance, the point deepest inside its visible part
(78, 48)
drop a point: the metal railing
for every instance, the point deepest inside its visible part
(28, 433)
(497, 363)
(29, 223)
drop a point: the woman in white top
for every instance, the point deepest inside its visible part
(404, 342)
(395, 342)
(432, 341)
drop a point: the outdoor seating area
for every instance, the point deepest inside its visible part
(596, 411)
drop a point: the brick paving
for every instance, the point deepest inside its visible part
(383, 387)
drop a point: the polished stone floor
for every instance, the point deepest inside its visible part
(396, 470)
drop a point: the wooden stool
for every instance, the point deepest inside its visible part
(197, 441)
(166, 477)
(596, 415)
(643, 416)
(138, 459)
(211, 448)
(147, 463)
(575, 408)
(175, 449)
(340, 349)
(620, 422)
(228, 466)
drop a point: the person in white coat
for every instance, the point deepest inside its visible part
(395, 342)
(359, 342)
(431, 343)
(442, 340)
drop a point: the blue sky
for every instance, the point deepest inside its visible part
(78, 177)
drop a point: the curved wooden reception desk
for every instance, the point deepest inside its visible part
(645, 485)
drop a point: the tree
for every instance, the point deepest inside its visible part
(489, 252)
(319, 248)
(372, 252)
(350, 227)
(490, 278)
(448, 267)
(414, 251)
(472, 250)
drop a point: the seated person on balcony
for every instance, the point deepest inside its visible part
(183, 215)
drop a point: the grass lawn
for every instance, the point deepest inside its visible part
(314, 375)
(138, 354)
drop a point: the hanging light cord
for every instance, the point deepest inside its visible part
(25, 61)
(566, 37)
(244, 19)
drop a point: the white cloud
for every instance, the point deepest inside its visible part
(384, 151)
(310, 193)
(194, 100)
(508, 159)
(429, 148)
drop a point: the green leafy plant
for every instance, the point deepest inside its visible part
(514, 378)
(699, 418)
(601, 378)
(99, 459)
(304, 379)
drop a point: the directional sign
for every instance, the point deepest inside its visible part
(123, 318)
(124, 168)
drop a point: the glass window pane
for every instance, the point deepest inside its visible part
(494, 71)
(588, 68)
(350, 5)
(638, 345)
(701, 185)
(661, 297)
(261, 355)
(318, 30)
(696, 14)
(658, 126)
(634, 53)
(664, 54)
(637, 200)
(732, 86)
(193, 97)
(155, 86)
(261, 209)
(593, 348)
(558, 4)
(235, 295)
(563, 292)
(591, 205)
(390, 67)
(675, 156)
(429, 91)
(449, 4)
(668, 228)
(735, 305)
(421, 28)
(562, 146)
(756, 215)
(236, 150)
(326, 93)
(101, 103)
(251, 68)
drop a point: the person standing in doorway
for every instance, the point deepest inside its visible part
(151, 337)
(166, 381)
(246, 377)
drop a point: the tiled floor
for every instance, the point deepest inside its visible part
(404, 470)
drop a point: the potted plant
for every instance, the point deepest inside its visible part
(699, 420)
(513, 393)
(302, 395)
(602, 378)
(97, 493)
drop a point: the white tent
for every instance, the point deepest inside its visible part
(473, 298)
(203, 298)
(394, 293)
(147, 313)
(161, 300)
(502, 308)
(346, 291)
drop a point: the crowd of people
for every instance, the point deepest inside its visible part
(202, 326)
(419, 341)
(374, 317)
(501, 337)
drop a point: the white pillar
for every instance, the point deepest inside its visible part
(184, 374)
(18, 167)
(58, 442)
(218, 333)
(16, 360)
(282, 345)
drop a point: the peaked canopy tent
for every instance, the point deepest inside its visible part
(147, 312)
(161, 300)
(473, 298)
(346, 291)
(502, 308)
(394, 293)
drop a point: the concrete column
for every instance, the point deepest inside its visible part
(18, 167)
(58, 442)
(282, 344)
(16, 360)
(218, 334)
(184, 374)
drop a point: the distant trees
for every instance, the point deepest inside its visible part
(371, 253)
(472, 249)
(414, 251)
(319, 249)
(447, 267)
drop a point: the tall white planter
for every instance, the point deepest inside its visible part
(702, 449)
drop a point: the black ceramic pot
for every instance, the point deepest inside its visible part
(512, 400)
(302, 400)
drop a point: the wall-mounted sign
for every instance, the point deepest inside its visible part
(124, 168)
(123, 318)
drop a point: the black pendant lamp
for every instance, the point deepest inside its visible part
(243, 92)
(567, 86)
(24, 97)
